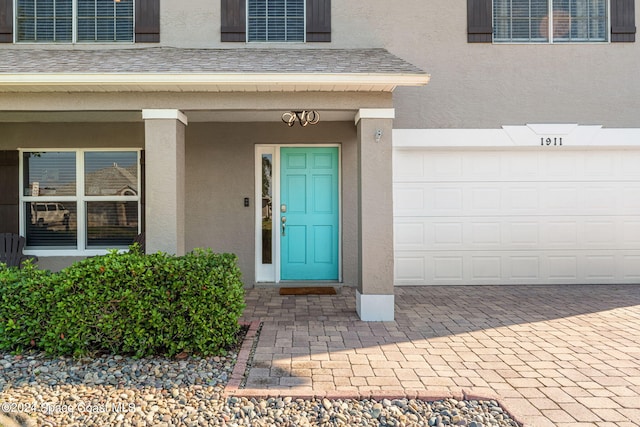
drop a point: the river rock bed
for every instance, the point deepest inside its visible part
(119, 391)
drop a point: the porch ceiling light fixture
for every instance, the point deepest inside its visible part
(304, 117)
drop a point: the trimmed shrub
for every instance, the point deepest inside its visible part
(131, 303)
(24, 306)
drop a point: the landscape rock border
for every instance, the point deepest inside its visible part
(244, 361)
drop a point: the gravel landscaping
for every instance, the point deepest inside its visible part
(119, 391)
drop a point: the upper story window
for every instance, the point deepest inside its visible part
(74, 21)
(544, 21)
(276, 20)
(551, 21)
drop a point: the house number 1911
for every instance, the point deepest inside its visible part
(551, 141)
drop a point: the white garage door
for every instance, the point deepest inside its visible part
(516, 216)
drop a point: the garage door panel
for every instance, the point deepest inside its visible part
(410, 270)
(600, 267)
(559, 234)
(447, 268)
(598, 198)
(598, 164)
(524, 267)
(410, 235)
(409, 201)
(408, 165)
(631, 232)
(415, 165)
(487, 233)
(520, 267)
(520, 217)
(486, 267)
(560, 166)
(629, 165)
(522, 199)
(631, 198)
(484, 165)
(631, 267)
(505, 199)
(523, 233)
(485, 199)
(561, 267)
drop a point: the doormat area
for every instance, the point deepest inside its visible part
(312, 290)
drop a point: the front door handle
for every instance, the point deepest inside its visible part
(284, 225)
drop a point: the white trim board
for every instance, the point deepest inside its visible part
(517, 136)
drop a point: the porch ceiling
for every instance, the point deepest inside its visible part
(206, 70)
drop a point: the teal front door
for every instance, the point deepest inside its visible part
(309, 213)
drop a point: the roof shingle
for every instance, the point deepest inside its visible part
(205, 61)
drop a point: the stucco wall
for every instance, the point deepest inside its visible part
(220, 163)
(488, 85)
(472, 85)
(71, 135)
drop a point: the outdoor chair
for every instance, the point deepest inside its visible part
(11, 246)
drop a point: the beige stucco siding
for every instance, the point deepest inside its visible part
(472, 85)
(220, 164)
(71, 135)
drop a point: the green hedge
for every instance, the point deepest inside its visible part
(124, 303)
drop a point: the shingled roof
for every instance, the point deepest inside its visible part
(174, 60)
(168, 68)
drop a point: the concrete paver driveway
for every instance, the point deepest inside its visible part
(554, 355)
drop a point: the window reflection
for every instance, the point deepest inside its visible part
(49, 174)
(267, 211)
(51, 224)
(111, 223)
(111, 174)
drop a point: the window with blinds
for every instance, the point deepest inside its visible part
(53, 20)
(105, 20)
(276, 20)
(45, 20)
(544, 21)
(80, 199)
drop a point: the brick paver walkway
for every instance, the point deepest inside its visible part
(555, 355)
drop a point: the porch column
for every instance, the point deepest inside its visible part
(374, 296)
(164, 180)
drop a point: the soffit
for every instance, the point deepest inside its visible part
(206, 70)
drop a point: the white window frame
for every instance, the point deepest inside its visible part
(304, 31)
(80, 199)
(550, 30)
(74, 31)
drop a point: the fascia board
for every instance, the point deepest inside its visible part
(140, 80)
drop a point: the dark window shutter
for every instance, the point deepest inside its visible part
(479, 21)
(233, 26)
(623, 21)
(9, 192)
(318, 20)
(6, 21)
(147, 21)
